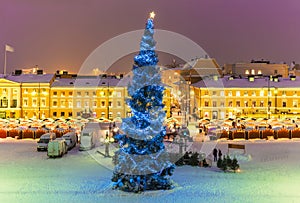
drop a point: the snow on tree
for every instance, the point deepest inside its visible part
(142, 162)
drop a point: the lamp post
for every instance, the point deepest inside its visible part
(276, 92)
(107, 100)
(39, 100)
(106, 144)
(269, 78)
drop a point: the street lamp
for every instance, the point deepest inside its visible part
(39, 100)
(107, 100)
(276, 92)
(269, 78)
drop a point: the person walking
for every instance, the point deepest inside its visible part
(215, 153)
(220, 154)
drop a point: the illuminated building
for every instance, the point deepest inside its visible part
(253, 97)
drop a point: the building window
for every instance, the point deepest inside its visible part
(14, 103)
(252, 71)
(254, 94)
(94, 93)
(269, 93)
(230, 103)
(238, 103)
(284, 104)
(214, 93)
(238, 93)
(253, 103)
(62, 113)
(78, 104)
(283, 93)
(62, 94)
(110, 104)
(214, 104)
(25, 91)
(54, 114)
(86, 104)
(34, 102)
(247, 72)
(222, 104)
(43, 104)
(94, 103)
(4, 102)
(54, 103)
(259, 72)
(70, 93)
(245, 93)
(206, 93)
(70, 114)
(295, 103)
(269, 104)
(78, 114)
(55, 94)
(222, 93)
(295, 94)
(206, 103)
(25, 102)
(78, 94)
(246, 103)
(103, 103)
(275, 72)
(230, 93)
(261, 93)
(62, 103)
(118, 104)
(86, 94)
(261, 104)
(70, 104)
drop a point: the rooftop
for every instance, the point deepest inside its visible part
(226, 82)
(31, 78)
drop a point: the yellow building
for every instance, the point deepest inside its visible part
(27, 95)
(88, 95)
(48, 95)
(254, 97)
(10, 94)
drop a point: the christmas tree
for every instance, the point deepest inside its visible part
(142, 162)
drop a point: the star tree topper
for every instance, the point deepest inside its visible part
(152, 15)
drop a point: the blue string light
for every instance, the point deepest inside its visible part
(142, 162)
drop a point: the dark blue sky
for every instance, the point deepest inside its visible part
(55, 34)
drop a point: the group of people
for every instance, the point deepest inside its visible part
(217, 153)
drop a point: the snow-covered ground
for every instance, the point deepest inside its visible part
(270, 172)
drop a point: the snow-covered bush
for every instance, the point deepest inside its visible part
(228, 164)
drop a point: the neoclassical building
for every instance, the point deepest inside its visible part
(65, 95)
(253, 96)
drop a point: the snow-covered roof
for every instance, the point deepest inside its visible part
(245, 83)
(31, 78)
(86, 81)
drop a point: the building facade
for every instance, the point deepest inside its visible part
(253, 97)
(42, 96)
